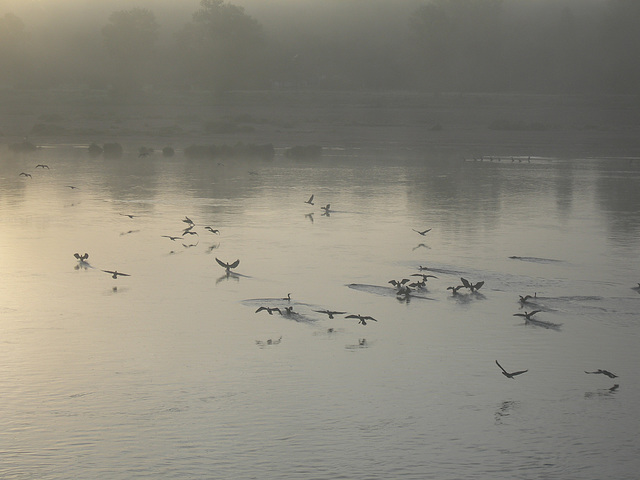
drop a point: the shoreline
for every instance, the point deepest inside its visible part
(471, 125)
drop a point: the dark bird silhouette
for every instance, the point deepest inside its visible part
(82, 258)
(604, 372)
(190, 245)
(398, 284)
(212, 230)
(471, 286)
(42, 165)
(269, 310)
(454, 290)
(289, 311)
(173, 239)
(188, 229)
(420, 267)
(127, 215)
(331, 313)
(188, 220)
(362, 319)
(310, 201)
(327, 210)
(424, 276)
(524, 299)
(71, 187)
(228, 266)
(189, 232)
(23, 174)
(115, 273)
(287, 298)
(510, 374)
(423, 233)
(526, 315)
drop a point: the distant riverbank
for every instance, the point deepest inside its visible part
(410, 122)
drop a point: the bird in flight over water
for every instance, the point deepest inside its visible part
(42, 165)
(604, 372)
(115, 273)
(362, 319)
(310, 201)
(269, 310)
(331, 313)
(510, 374)
(471, 286)
(228, 266)
(527, 315)
(423, 233)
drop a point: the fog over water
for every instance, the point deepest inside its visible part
(359, 239)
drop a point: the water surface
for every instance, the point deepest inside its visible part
(169, 373)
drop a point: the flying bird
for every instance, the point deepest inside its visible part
(454, 290)
(331, 313)
(127, 215)
(188, 220)
(115, 273)
(424, 276)
(23, 174)
(212, 230)
(173, 239)
(42, 165)
(362, 319)
(269, 310)
(527, 315)
(310, 201)
(524, 299)
(71, 187)
(82, 258)
(423, 233)
(471, 286)
(604, 372)
(228, 266)
(510, 374)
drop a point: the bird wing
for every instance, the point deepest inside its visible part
(221, 263)
(276, 309)
(478, 285)
(111, 272)
(426, 231)
(370, 318)
(609, 374)
(76, 255)
(519, 315)
(518, 373)
(235, 264)
(534, 312)
(352, 316)
(501, 368)
(124, 274)
(260, 309)
(465, 282)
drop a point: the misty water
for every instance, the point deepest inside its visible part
(170, 373)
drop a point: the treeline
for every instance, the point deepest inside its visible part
(542, 46)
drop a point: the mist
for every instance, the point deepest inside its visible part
(523, 46)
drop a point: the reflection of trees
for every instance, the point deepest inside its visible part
(464, 194)
(564, 188)
(618, 196)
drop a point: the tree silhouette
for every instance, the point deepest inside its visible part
(221, 46)
(130, 38)
(13, 40)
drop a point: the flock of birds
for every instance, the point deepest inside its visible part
(404, 288)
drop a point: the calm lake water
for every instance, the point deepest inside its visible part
(170, 373)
